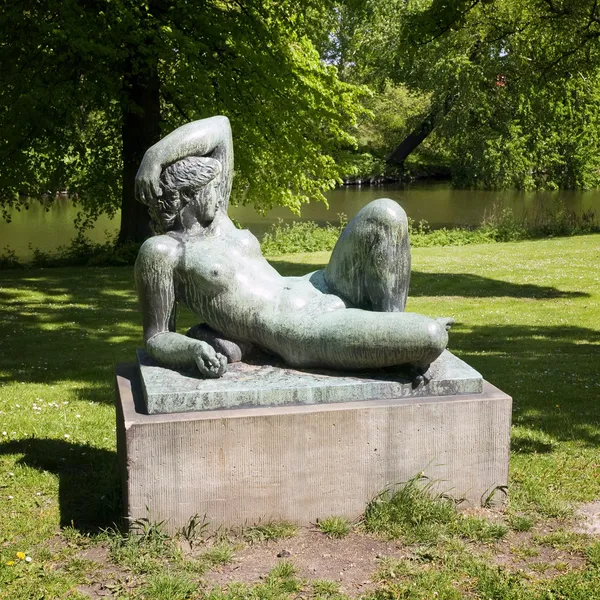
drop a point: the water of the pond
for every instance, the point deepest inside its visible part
(439, 204)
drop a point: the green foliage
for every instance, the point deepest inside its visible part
(335, 527)
(274, 530)
(511, 88)
(393, 111)
(301, 236)
(64, 94)
(413, 511)
(9, 260)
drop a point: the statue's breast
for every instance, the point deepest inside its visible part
(207, 267)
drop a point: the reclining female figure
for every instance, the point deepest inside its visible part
(346, 316)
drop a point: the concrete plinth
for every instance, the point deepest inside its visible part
(301, 463)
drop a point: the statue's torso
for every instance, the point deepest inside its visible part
(224, 279)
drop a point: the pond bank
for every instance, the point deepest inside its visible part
(308, 236)
(438, 203)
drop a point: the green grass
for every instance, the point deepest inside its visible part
(220, 554)
(273, 530)
(527, 317)
(335, 527)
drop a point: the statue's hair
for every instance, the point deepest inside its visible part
(179, 182)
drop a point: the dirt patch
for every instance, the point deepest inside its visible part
(350, 561)
(107, 580)
(519, 552)
(588, 515)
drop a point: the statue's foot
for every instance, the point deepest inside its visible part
(447, 322)
(233, 351)
(419, 375)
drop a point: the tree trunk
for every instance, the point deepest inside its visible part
(414, 139)
(140, 130)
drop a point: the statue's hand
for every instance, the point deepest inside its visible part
(147, 180)
(210, 363)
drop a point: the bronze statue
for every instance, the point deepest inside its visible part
(348, 316)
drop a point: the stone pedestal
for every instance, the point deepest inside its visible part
(305, 462)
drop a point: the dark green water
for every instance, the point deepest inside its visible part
(437, 203)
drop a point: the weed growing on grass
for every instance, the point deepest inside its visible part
(142, 554)
(563, 540)
(392, 568)
(412, 511)
(525, 551)
(169, 586)
(280, 580)
(425, 584)
(476, 529)
(417, 513)
(520, 522)
(220, 554)
(593, 554)
(147, 530)
(193, 530)
(275, 530)
(496, 583)
(325, 588)
(335, 527)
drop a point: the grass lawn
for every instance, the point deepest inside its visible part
(527, 317)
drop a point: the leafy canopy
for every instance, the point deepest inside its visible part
(512, 85)
(62, 98)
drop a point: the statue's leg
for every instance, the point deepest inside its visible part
(370, 264)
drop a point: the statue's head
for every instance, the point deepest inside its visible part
(188, 191)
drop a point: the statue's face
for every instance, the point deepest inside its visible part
(206, 203)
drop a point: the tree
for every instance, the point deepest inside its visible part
(89, 85)
(512, 84)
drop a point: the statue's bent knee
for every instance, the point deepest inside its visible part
(370, 264)
(387, 212)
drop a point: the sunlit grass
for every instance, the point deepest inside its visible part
(527, 317)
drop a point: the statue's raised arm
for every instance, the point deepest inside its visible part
(349, 315)
(207, 137)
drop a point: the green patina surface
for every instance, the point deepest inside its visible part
(245, 385)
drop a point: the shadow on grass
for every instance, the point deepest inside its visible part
(452, 284)
(68, 324)
(524, 445)
(75, 324)
(89, 493)
(551, 373)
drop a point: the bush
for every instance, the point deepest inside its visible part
(301, 236)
